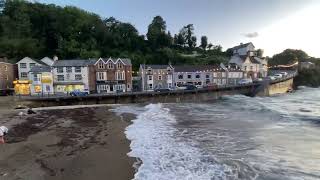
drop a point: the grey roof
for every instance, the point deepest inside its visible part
(242, 45)
(155, 66)
(196, 68)
(74, 63)
(126, 61)
(40, 69)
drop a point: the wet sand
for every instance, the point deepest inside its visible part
(66, 144)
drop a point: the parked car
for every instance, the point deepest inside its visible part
(284, 73)
(245, 81)
(162, 90)
(79, 93)
(278, 76)
(181, 87)
(258, 80)
(191, 87)
(199, 86)
(272, 78)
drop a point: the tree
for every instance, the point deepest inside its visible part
(193, 42)
(204, 42)
(187, 34)
(157, 33)
(210, 46)
(259, 52)
(288, 56)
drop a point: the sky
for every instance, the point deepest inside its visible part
(272, 25)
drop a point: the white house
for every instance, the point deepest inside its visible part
(70, 75)
(24, 66)
(245, 57)
(242, 49)
(41, 79)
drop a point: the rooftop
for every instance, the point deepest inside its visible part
(40, 69)
(74, 63)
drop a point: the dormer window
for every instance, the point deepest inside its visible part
(119, 65)
(110, 65)
(101, 65)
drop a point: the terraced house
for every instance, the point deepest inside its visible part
(156, 76)
(201, 75)
(113, 75)
(8, 73)
(71, 75)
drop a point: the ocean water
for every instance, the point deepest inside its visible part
(237, 137)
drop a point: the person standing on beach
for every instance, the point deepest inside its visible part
(3, 131)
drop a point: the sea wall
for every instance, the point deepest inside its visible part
(203, 95)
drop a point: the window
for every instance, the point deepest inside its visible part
(24, 75)
(101, 76)
(35, 77)
(198, 76)
(245, 68)
(119, 65)
(215, 74)
(7, 77)
(60, 69)
(60, 77)
(159, 77)
(180, 76)
(78, 77)
(189, 76)
(251, 68)
(69, 69)
(169, 85)
(119, 87)
(23, 65)
(207, 76)
(32, 65)
(120, 76)
(77, 69)
(110, 66)
(150, 86)
(100, 65)
(5, 68)
(150, 78)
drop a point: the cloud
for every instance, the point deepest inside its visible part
(251, 35)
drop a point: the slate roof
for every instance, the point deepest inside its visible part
(242, 45)
(196, 68)
(40, 69)
(155, 66)
(126, 61)
(74, 63)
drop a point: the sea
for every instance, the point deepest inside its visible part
(236, 137)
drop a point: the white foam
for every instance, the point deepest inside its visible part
(164, 155)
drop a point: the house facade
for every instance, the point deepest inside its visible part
(156, 77)
(24, 66)
(8, 73)
(70, 75)
(113, 75)
(245, 57)
(234, 76)
(41, 80)
(205, 75)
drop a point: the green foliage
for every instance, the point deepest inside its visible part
(204, 42)
(288, 56)
(38, 30)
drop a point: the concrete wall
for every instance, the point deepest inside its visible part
(203, 95)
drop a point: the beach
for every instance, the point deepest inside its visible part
(65, 143)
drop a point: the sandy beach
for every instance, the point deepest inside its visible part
(71, 144)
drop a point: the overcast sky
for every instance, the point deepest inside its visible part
(272, 25)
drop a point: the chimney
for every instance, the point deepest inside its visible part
(55, 58)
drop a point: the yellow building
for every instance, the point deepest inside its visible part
(22, 87)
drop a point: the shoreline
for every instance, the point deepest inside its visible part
(72, 144)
